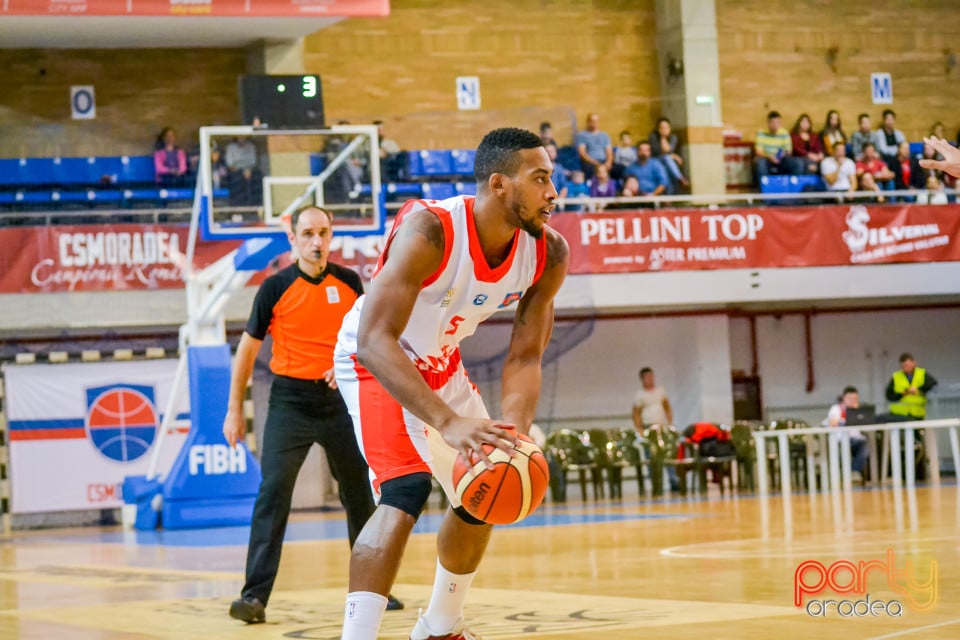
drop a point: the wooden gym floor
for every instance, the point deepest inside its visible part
(677, 568)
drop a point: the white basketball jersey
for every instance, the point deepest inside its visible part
(463, 292)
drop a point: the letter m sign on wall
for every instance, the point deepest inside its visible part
(881, 88)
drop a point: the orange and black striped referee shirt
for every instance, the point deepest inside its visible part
(303, 315)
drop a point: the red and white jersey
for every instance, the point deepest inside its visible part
(460, 295)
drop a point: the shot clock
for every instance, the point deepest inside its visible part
(282, 102)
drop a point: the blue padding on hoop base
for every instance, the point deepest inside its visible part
(256, 253)
(210, 484)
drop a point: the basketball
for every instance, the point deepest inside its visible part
(510, 491)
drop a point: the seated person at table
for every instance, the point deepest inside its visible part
(837, 417)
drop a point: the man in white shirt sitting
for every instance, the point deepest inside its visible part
(837, 417)
(839, 171)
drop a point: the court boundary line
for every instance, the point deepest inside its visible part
(907, 632)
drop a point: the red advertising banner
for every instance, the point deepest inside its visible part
(146, 256)
(217, 8)
(98, 257)
(686, 240)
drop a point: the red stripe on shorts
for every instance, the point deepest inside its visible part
(386, 442)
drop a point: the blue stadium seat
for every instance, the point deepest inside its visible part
(791, 184)
(37, 197)
(463, 161)
(318, 162)
(108, 169)
(7, 197)
(435, 163)
(466, 188)
(11, 172)
(37, 172)
(136, 170)
(141, 197)
(439, 190)
(72, 172)
(916, 147)
(414, 167)
(569, 158)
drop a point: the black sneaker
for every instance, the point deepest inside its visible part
(393, 604)
(249, 609)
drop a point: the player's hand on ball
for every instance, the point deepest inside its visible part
(468, 435)
(234, 427)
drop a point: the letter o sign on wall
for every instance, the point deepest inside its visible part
(83, 102)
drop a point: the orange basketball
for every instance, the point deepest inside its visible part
(509, 492)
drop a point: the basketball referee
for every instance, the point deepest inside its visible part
(302, 306)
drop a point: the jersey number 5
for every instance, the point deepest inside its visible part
(454, 325)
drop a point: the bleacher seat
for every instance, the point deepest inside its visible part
(141, 197)
(791, 184)
(916, 147)
(11, 172)
(569, 157)
(136, 170)
(318, 162)
(75, 172)
(463, 161)
(37, 172)
(466, 188)
(439, 190)
(434, 163)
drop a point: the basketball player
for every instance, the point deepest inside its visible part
(951, 157)
(302, 306)
(447, 266)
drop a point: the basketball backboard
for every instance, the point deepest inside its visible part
(251, 178)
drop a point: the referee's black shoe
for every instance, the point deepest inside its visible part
(393, 604)
(249, 609)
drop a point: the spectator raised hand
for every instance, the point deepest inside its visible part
(951, 157)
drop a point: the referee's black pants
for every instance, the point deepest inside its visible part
(300, 413)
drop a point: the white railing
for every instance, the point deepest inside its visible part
(834, 461)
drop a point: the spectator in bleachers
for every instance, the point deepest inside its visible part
(546, 134)
(861, 136)
(938, 130)
(601, 185)
(594, 147)
(903, 167)
(388, 146)
(630, 189)
(664, 147)
(577, 188)
(218, 167)
(918, 175)
(650, 174)
(888, 138)
(624, 155)
(243, 174)
(807, 147)
(832, 133)
(559, 175)
(873, 174)
(392, 160)
(773, 150)
(169, 160)
(950, 164)
(931, 182)
(839, 171)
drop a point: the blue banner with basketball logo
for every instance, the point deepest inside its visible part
(76, 430)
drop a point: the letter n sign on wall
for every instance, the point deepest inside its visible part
(881, 88)
(468, 92)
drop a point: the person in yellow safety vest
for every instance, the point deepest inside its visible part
(908, 388)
